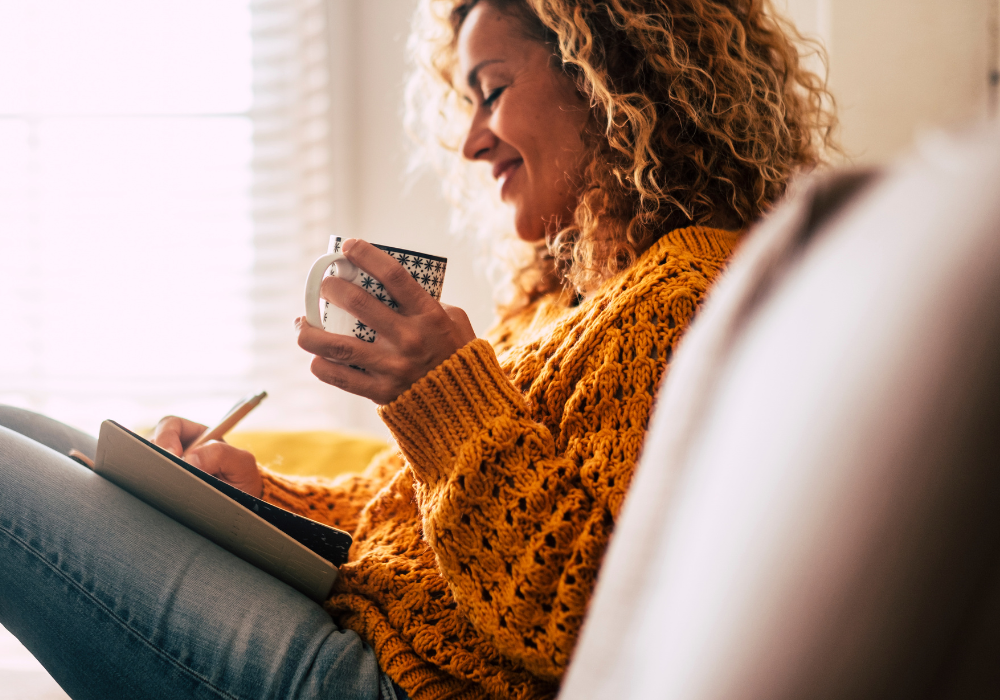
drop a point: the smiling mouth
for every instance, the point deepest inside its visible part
(503, 170)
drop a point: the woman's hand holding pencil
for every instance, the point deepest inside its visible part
(203, 448)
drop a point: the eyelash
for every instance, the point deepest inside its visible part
(492, 98)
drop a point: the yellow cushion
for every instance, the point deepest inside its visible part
(309, 453)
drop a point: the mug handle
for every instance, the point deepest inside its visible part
(346, 270)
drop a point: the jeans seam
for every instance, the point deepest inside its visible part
(386, 691)
(111, 613)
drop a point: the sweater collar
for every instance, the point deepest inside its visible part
(701, 241)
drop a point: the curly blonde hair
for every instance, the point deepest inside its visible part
(701, 111)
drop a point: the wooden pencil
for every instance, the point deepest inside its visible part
(229, 421)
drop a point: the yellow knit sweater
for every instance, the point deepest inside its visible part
(476, 550)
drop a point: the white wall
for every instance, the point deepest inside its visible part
(897, 68)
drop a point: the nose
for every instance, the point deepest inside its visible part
(480, 140)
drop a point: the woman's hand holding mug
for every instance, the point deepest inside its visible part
(413, 339)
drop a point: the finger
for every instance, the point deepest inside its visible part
(353, 381)
(394, 277)
(359, 303)
(231, 464)
(221, 459)
(342, 349)
(173, 434)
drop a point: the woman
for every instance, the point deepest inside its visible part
(632, 141)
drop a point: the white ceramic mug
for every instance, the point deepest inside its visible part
(427, 269)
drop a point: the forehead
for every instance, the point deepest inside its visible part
(488, 35)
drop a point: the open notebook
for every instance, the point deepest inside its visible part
(299, 551)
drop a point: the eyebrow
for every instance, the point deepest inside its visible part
(473, 79)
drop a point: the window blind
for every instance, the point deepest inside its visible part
(291, 191)
(165, 181)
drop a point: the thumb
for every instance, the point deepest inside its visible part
(461, 320)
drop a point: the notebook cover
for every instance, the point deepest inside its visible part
(299, 551)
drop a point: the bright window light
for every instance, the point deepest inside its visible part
(126, 241)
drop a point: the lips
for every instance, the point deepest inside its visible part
(504, 170)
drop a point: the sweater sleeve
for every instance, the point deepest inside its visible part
(518, 519)
(338, 501)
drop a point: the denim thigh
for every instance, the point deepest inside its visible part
(117, 600)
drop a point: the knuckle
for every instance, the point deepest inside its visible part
(342, 294)
(329, 373)
(339, 352)
(398, 367)
(339, 382)
(168, 422)
(213, 452)
(410, 343)
(169, 426)
(358, 297)
(397, 275)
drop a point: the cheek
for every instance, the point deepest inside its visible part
(560, 158)
(518, 128)
(547, 140)
(558, 143)
(545, 131)
(566, 137)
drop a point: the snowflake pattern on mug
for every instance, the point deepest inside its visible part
(427, 270)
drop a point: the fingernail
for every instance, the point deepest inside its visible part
(298, 323)
(194, 461)
(347, 245)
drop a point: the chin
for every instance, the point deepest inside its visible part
(531, 236)
(529, 228)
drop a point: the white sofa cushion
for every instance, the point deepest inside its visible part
(817, 510)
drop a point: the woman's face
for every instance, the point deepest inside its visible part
(527, 119)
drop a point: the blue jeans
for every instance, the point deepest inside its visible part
(117, 600)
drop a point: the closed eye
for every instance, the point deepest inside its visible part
(492, 97)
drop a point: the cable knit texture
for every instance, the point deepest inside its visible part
(477, 544)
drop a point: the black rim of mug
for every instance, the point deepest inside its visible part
(391, 249)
